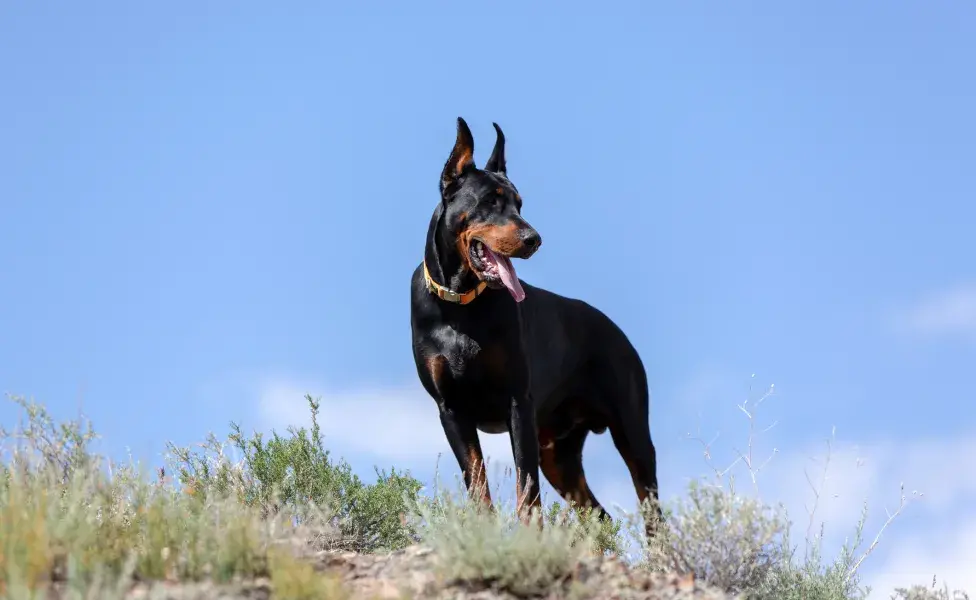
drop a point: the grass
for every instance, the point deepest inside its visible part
(72, 519)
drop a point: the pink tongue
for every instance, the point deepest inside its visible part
(507, 273)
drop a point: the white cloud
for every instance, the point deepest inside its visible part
(937, 468)
(948, 312)
(398, 424)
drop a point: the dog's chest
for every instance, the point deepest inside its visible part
(485, 383)
(476, 360)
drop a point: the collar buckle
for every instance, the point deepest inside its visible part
(450, 295)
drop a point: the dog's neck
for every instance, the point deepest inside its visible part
(443, 260)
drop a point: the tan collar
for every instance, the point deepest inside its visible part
(451, 296)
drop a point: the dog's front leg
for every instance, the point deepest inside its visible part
(525, 449)
(462, 435)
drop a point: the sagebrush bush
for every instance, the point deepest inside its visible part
(727, 541)
(742, 546)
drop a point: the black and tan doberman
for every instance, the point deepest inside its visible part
(497, 354)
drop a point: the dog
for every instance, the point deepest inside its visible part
(499, 355)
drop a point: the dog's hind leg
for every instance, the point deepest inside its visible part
(631, 433)
(633, 442)
(562, 464)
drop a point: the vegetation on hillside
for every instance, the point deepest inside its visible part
(71, 518)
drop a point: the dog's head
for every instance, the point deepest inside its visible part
(482, 211)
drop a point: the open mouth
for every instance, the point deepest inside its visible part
(495, 269)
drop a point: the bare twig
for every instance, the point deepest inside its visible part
(891, 517)
(817, 492)
(747, 457)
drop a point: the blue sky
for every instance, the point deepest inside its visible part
(210, 210)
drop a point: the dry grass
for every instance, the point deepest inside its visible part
(68, 517)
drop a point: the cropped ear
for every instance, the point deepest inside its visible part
(496, 163)
(462, 156)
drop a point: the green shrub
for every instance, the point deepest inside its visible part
(299, 471)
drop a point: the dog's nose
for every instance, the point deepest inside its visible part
(531, 240)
